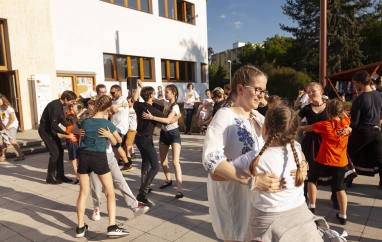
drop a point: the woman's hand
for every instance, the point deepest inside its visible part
(268, 182)
(104, 133)
(346, 131)
(147, 115)
(7, 128)
(139, 83)
(304, 170)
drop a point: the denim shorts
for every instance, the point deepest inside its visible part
(119, 144)
(169, 137)
(72, 150)
(91, 161)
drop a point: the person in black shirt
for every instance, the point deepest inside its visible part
(51, 133)
(365, 145)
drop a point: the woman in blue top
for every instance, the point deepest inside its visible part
(92, 158)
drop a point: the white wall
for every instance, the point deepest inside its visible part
(84, 30)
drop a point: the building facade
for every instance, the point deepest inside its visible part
(78, 44)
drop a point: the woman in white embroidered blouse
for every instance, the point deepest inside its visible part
(233, 132)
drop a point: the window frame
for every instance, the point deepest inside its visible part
(203, 72)
(183, 7)
(74, 80)
(126, 5)
(2, 36)
(177, 71)
(141, 73)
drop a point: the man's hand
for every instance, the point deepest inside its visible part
(71, 136)
(139, 83)
(82, 132)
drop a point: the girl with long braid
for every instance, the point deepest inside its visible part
(92, 158)
(169, 135)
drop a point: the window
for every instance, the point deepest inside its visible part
(3, 52)
(141, 5)
(183, 71)
(178, 10)
(203, 70)
(127, 66)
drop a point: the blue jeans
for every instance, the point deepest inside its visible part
(188, 118)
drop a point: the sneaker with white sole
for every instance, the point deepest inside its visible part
(114, 230)
(138, 211)
(96, 214)
(80, 232)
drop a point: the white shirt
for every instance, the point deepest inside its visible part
(132, 121)
(304, 101)
(229, 136)
(121, 119)
(279, 161)
(190, 97)
(5, 116)
(109, 148)
(166, 109)
(88, 94)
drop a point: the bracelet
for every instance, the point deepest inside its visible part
(252, 182)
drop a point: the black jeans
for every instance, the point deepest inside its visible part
(149, 154)
(188, 118)
(56, 154)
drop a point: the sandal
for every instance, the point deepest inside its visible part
(179, 194)
(19, 158)
(2, 159)
(166, 184)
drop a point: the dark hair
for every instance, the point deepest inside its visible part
(71, 118)
(228, 87)
(102, 103)
(91, 102)
(190, 84)
(302, 87)
(217, 93)
(68, 95)
(99, 86)
(117, 87)
(70, 106)
(129, 97)
(146, 92)
(282, 123)
(173, 89)
(378, 88)
(335, 107)
(363, 77)
(207, 90)
(5, 100)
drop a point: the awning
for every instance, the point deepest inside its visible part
(374, 68)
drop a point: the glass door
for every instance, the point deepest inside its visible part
(14, 96)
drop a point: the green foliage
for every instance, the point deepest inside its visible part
(216, 76)
(371, 45)
(284, 81)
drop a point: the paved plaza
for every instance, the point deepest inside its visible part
(31, 210)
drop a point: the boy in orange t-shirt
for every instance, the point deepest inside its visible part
(332, 154)
(72, 144)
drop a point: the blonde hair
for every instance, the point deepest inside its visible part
(275, 100)
(282, 123)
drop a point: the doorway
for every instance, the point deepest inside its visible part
(10, 88)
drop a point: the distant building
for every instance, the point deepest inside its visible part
(222, 58)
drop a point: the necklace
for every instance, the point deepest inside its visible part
(317, 105)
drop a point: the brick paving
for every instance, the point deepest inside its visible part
(31, 210)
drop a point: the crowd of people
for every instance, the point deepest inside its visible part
(264, 159)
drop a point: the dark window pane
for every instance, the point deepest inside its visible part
(122, 67)
(108, 66)
(145, 5)
(2, 51)
(171, 10)
(132, 4)
(191, 71)
(161, 8)
(179, 7)
(163, 69)
(119, 2)
(147, 68)
(172, 70)
(189, 13)
(182, 71)
(134, 66)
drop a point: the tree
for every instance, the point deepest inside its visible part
(216, 76)
(279, 51)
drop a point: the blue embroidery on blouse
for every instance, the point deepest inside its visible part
(213, 160)
(244, 136)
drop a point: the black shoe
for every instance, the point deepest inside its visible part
(335, 203)
(53, 181)
(349, 183)
(80, 232)
(179, 195)
(342, 220)
(133, 156)
(77, 181)
(313, 210)
(143, 199)
(114, 230)
(126, 167)
(120, 162)
(166, 184)
(150, 190)
(66, 180)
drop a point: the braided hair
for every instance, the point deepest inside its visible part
(282, 123)
(101, 104)
(174, 90)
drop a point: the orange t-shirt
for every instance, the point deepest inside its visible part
(333, 148)
(76, 135)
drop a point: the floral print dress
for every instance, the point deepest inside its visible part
(228, 137)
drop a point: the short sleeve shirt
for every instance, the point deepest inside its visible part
(333, 147)
(91, 140)
(190, 97)
(311, 116)
(6, 116)
(166, 109)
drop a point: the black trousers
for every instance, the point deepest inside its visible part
(188, 118)
(150, 162)
(56, 154)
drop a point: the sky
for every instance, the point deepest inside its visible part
(247, 20)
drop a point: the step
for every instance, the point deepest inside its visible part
(30, 148)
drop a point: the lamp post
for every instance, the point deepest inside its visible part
(229, 61)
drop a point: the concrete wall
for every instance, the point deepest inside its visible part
(30, 44)
(84, 30)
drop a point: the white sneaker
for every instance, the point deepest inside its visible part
(138, 211)
(96, 214)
